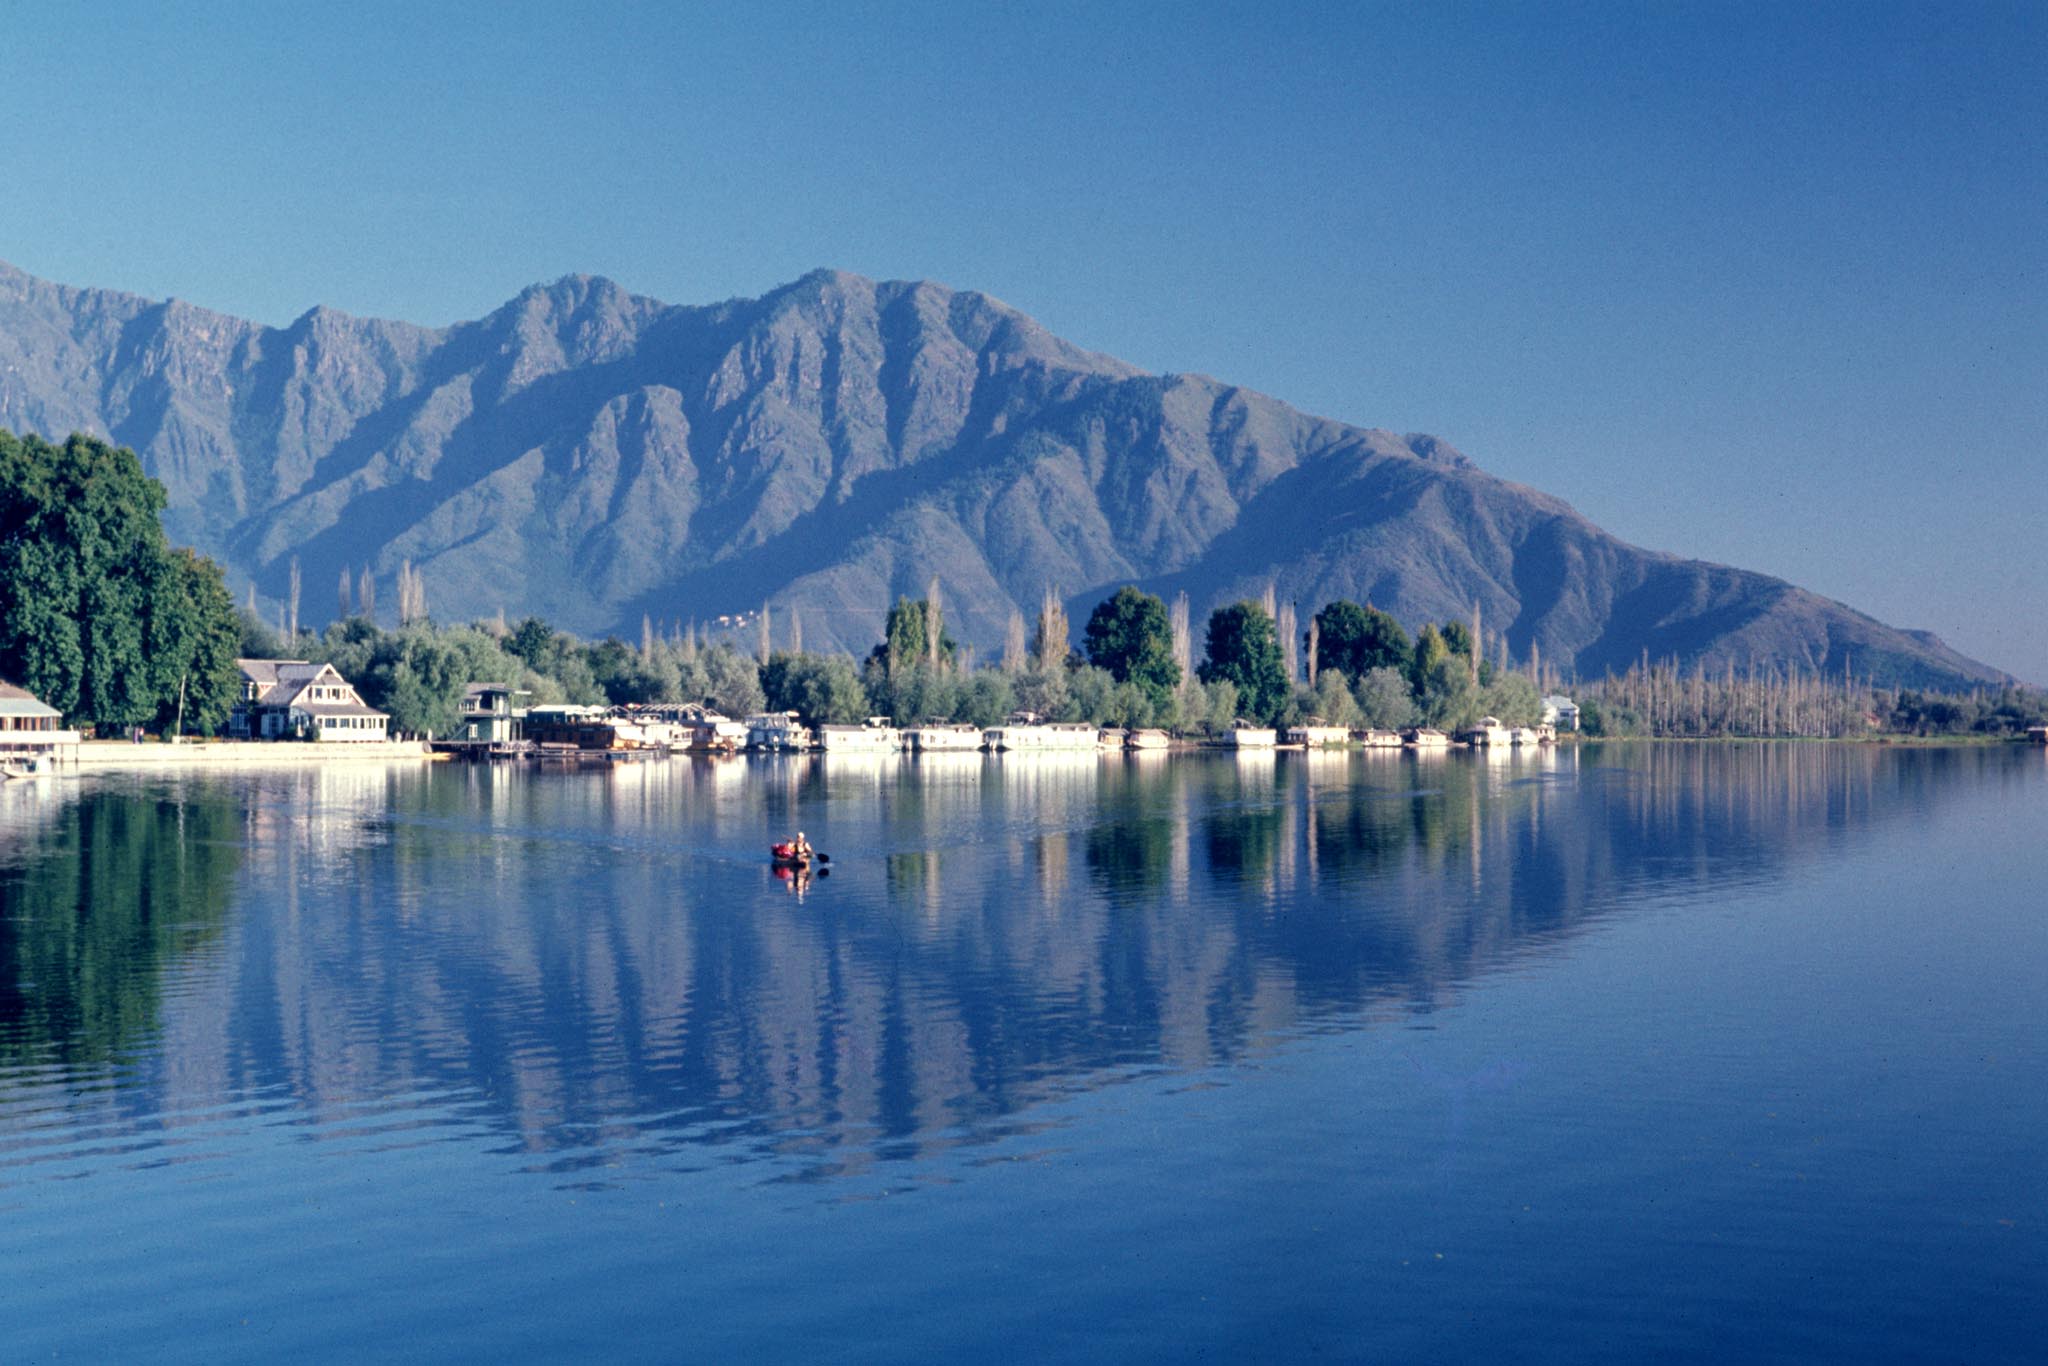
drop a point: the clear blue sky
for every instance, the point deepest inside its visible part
(1761, 284)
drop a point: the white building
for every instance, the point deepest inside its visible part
(32, 732)
(290, 699)
(1560, 711)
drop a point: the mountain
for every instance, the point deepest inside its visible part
(597, 457)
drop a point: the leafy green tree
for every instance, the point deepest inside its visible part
(1385, 700)
(822, 689)
(1457, 638)
(97, 616)
(1332, 699)
(1129, 634)
(192, 637)
(1430, 652)
(532, 640)
(906, 638)
(1512, 698)
(1243, 649)
(1354, 640)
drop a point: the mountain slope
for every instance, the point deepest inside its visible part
(597, 457)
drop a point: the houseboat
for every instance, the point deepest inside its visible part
(873, 736)
(1148, 738)
(1378, 739)
(1525, 735)
(1245, 735)
(1025, 733)
(933, 736)
(1313, 734)
(1485, 733)
(711, 733)
(777, 730)
(1423, 737)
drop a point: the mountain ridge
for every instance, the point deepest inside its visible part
(600, 456)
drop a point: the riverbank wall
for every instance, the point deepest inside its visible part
(108, 756)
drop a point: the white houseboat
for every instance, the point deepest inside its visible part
(1024, 733)
(1148, 738)
(1486, 733)
(1245, 735)
(933, 736)
(873, 736)
(1424, 737)
(1378, 739)
(777, 730)
(1315, 735)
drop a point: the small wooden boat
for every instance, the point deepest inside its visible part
(783, 856)
(19, 768)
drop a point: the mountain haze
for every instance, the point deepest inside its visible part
(597, 457)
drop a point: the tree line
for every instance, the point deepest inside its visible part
(1663, 700)
(105, 621)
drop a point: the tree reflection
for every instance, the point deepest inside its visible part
(113, 889)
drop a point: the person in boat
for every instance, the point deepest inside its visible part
(800, 848)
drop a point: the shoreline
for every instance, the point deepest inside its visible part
(114, 756)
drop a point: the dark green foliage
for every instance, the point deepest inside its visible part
(822, 689)
(1355, 640)
(192, 638)
(532, 640)
(1129, 634)
(1243, 649)
(114, 892)
(906, 639)
(98, 616)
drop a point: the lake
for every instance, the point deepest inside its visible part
(1624, 1052)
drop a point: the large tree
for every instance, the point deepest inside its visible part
(98, 616)
(1355, 640)
(1129, 635)
(1244, 649)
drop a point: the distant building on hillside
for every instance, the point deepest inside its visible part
(1560, 711)
(290, 699)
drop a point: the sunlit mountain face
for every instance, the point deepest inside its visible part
(603, 459)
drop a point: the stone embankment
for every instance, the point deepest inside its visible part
(100, 756)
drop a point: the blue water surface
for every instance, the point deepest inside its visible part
(1616, 1053)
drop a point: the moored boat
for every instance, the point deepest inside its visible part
(943, 735)
(874, 736)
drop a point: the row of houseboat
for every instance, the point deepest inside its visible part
(632, 731)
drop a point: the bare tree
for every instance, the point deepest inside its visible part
(366, 593)
(294, 598)
(1315, 640)
(1013, 642)
(1183, 636)
(348, 601)
(646, 636)
(1290, 646)
(931, 621)
(767, 634)
(796, 632)
(1052, 644)
(1271, 601)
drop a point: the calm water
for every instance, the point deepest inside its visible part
(1643, 1051)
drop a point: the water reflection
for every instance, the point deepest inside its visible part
(599, 968)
